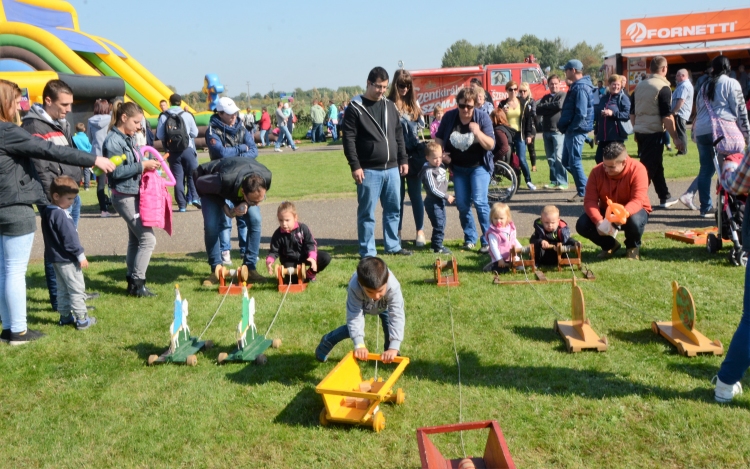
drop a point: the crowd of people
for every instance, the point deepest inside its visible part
(41, 160)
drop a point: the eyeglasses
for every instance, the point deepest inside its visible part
(466, 106)
(512, 89)
(404, 86)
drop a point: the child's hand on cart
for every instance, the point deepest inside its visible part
(389, 355)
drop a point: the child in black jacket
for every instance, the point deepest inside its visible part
(294, 244)
(63, 249)
(549, 231)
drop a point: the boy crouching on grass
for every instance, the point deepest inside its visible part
(373, 289)
(63, 249)
(549, 230)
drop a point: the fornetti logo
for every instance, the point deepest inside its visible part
(637, 32)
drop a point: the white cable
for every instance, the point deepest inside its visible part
(377, 344)
(523, 267)
(281, 304)
(458, 366)
(217, 310)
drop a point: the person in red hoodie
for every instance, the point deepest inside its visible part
(265, 127)
(624, 181)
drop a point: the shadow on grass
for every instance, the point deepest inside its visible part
(144, 350)
(540, 334)
(303, 410)
(289, 370)
(703, 371)
(639, 337)
(550, 380)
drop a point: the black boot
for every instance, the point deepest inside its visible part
(129, 279)
(139, 288)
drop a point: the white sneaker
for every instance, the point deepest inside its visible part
(225, 259)
(279, 150)
(687, 200)
(725, 392)
(105, 214)
(531, 186)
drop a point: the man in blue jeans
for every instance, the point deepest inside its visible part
(576, 121)
(374, 147)
(232, 187)
(281, 122)
(182, 159)
(549, 108)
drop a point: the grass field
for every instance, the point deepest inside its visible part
(87, 399)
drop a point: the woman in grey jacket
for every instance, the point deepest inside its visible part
(18, 192)
(125, 183)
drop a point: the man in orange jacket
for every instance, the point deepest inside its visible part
(624, 181)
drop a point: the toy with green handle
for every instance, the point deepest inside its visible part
(117, 160)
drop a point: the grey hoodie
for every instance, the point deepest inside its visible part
(97, 130)
(358, 304)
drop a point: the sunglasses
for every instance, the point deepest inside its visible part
(512, 89)
(404, 86)
(466, 106)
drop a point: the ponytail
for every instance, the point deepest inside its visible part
(721, 66)
(120, 109)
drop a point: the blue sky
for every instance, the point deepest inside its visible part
(334, 43)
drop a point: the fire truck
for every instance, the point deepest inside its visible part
(440, 85)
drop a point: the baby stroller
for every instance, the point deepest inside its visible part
(730, 211)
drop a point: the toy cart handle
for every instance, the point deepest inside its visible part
(401, 361)
(147, 149)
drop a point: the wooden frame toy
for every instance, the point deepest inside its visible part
(182, 347)
(681, 331)
(518, 262)
(249, 351)
(578, 334)
(350, 399)
(295, 276)
(238, 277)
(563, 260)
(445, 280)
(496, 453)
(698, 236)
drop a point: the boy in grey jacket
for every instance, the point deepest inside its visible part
(372, 290)
(435, 182)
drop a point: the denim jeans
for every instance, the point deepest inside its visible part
(737, 360)
(264, 138)
(334, 132)
(572, 160)
(470, 186)
(215, 221)
(226, 235)
(383, 185)
(342, 333)
(519, 144)
(15, 252)
(706, 154)
(316, 135)
(182, 165)
(86, 177)
(75, 210)
(284, 133)
(633, 228)
(414, 186)
(436, 213)
(553, 147)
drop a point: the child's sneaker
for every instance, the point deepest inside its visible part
(322, 350)
(22, 338)
(226, 257)
(66, 320)
(725, 392)
(5, 336)
(85, 323)
(442, 250)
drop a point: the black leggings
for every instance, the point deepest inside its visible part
(323, 260)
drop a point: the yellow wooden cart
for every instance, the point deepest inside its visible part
(350, 399)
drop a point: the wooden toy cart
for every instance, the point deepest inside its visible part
(350, 399)
(252, 350)
(681, 331)
(496, 454)
(238, 277)
(698, 237)
(564, 260)
(578, 334)
(292, 279)
(445, 280)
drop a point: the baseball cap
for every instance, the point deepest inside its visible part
(576, 64)
(227, 106)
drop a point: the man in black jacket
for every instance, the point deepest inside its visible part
(229, 188)
(549, 108)
(374, 147)
(47, 121)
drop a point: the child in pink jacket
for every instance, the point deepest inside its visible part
(501, 237)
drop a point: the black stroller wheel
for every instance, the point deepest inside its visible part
(739, 257)
(713, 243)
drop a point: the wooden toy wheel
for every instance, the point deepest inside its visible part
(152, 359)
(192, 360)
(276, 343)
(378, 422)
(242, 275)
(209, 344)
(400, 396)
(323, 419)
(219, 272)
(655, 328)
(261, 360)
(222, 357)
(279, 273)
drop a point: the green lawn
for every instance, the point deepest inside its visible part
(87, 399)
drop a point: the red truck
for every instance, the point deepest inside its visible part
(440, 85)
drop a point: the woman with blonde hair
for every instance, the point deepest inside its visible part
(521, 119)
(18, 192)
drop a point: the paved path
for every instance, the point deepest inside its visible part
(334, 222)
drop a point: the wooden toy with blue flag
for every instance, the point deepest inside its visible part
(249, 350)
(182, 347)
